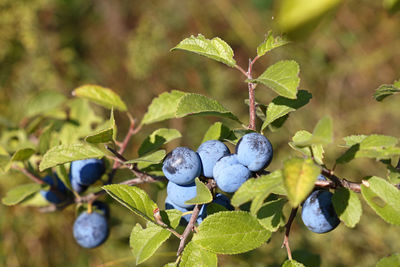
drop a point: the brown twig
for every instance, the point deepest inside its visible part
(188, 229)
(287, 232)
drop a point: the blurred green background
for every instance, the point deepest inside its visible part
(124, 45)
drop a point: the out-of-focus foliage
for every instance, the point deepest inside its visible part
(58, 45)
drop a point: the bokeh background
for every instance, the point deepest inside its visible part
(124, 45)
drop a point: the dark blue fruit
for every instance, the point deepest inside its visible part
(210, 152)
(87, 171)
(229, 174)
(182, 165)
(90, 229)
(254, 151)
(59, 193)
(102, 208)
(318, 213)
(178, 194)
(77, 187)
(219, 199)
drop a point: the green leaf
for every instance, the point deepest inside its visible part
(145, 242)
(391, 261)
(292, 263)
(260, 187)
(63, 175)
(157, 139)
(353, 139)
(299, 176)
(194, 255)
(317, 150)
(23, 154)
(280, 106)
(297, 17)
(107, 133)
(217, 131)
(322, 134)
(215, 48)
(347, 206)
(282, 77)
(133, 198)
(203, 194)
(20, 193)
(194, 104)
(270, 215)
(170, 264)
(270, 43)
(155, 157)
(100, 95)
(70, 152)
(371, 146)
(45, 139)
(44, 101)
(231, 232)
(383, 198)
(384, 91)
(163, 107)
(5, 163)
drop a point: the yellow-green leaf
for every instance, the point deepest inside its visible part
(100, 95)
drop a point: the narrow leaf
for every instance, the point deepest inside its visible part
(106, 134)
(157, 139)
(322, 134)
(22, 154)
(280, 106)
(163, 107)
(270, 43)
(63, 175)
(347, 206)
(194, 104)
(299, 176)
(385, 90)
(231, 232)
(45, 139)
(20, 193)
(383, 198)
(100, 95)
(203, 194)
(70, 152)
(133, 198)
(215, 48)
(282, 77)
(194, 255)
(155, 157)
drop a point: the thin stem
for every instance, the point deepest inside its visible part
(188, 229)
(241, 70)
(287, 232)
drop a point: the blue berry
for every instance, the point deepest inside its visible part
(321, 178)
(182, 165)
(210, 152)
(318, 213)
(178, 194)
(254, 151)
(90, 229)
(87, 171)
(52, 196)
(229, 174)
(77, 187)
(219, 199)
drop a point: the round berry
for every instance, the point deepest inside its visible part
(210, 152)
(87, 171)
(90, 229)
(254, 151)
(182, 165)
(318, 213)
(59, 194)
(229, 174)
(178, 194)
